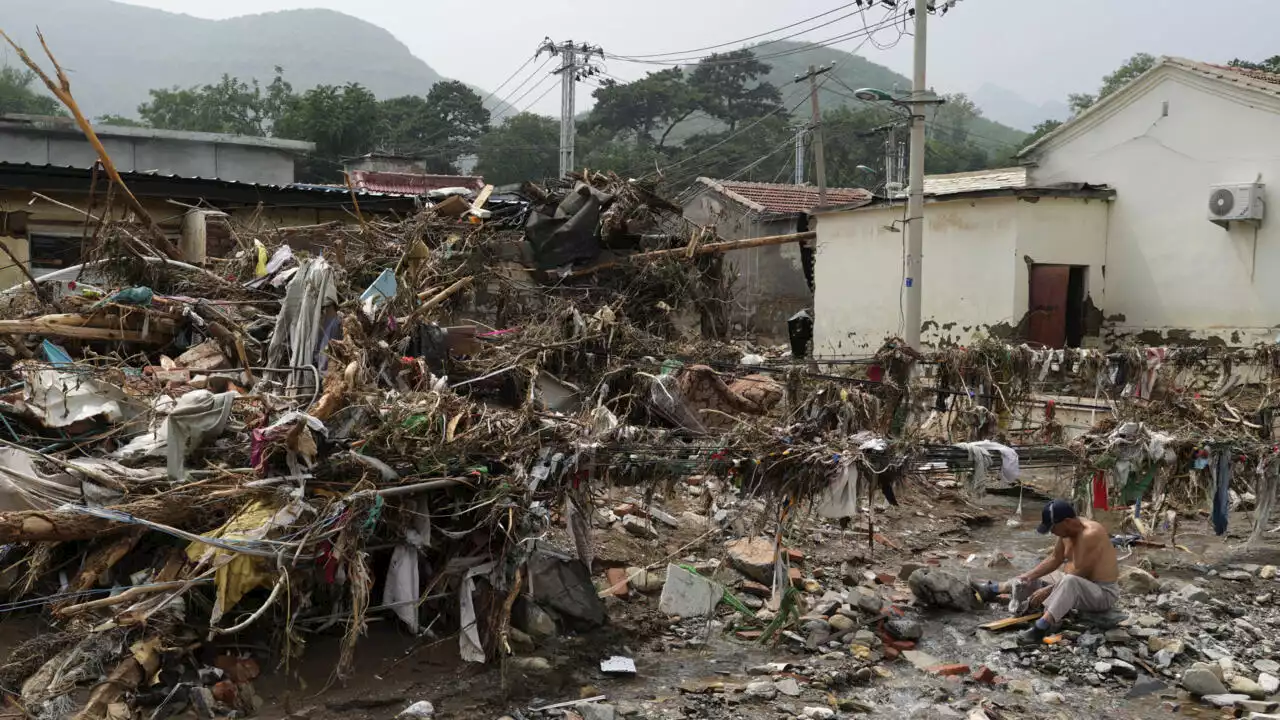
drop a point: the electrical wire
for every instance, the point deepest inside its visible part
(506, 101)
(513, 75)
(739, 41)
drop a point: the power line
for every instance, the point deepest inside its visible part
(745, 39)
(506, 101)
(510, 78)
(540, 84)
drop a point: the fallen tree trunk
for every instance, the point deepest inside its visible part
(709, 249)
(59, 326)
(65, 525)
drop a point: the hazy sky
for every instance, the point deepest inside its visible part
(1042, 49)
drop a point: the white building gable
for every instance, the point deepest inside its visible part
(1162, 142)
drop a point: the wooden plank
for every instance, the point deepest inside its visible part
(78, 332)
(482, 198)
(1007, 623)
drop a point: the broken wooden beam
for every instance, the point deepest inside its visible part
(64, 525)
(1007, 623)
(708, 249)
(62, 327)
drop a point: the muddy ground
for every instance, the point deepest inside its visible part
(697, 669)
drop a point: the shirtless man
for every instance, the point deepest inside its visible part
(1088, 582)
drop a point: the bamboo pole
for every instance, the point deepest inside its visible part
(709, 249)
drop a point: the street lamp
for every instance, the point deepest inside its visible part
(874, 95)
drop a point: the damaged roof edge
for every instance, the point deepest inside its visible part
(66, 126)
(1065, 190)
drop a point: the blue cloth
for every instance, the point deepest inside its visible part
(1221, 494)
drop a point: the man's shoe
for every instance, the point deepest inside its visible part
(1032, 636)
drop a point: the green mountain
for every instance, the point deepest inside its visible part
(114, 53)
(855, 71)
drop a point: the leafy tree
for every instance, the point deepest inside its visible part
(1079, 102)
(760, 154)
(954, 118)
(339, 120)
(118, 121)
(729, 88)
(1123, 75)
(1271, 64)
(228, 106)
(854, 136)
(17, 94)
(523, 147)
(657, 102)
(1041, 130)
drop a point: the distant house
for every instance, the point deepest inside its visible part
(185, 180)
(1144, 218)
(995, 246)
(58, 142)
(402, 174)
(771, 283)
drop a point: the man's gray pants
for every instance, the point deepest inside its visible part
(1072, 592)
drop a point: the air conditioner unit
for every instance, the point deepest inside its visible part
(1238, 201)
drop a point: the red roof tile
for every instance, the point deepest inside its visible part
(782, 199)
(411, 183)
(1261, 75)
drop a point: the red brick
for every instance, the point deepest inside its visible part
(900, 644)
(749, 634)
(624, 509)
(796, 577)
(947, 670)
(984, 675)
(754, 588)
(891, 653)
(617, 579)
(795, 555)
(886, 579)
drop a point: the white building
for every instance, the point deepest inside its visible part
(1157, 262)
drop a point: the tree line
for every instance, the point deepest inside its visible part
(717, 118)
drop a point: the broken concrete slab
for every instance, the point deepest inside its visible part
(689, 595)
(562, 583)
(640, 527)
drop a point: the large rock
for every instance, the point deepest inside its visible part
(563, 583)
(640, 527)
(534, 621)
(1270, 683)
(1136, 581)
(1242, 685)
(1204, 679)
(904, 629)
(940, 588)
(596, 711)
(1193, 593)
(1225, 700)
(689, 595)
(753, 557)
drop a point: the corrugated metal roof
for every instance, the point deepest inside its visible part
(976, 181)
(305, 187)
(782, 199)
(411, 183)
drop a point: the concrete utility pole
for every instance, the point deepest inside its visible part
(915, 203)
(800, 155)
(575, 64)
(819, 162)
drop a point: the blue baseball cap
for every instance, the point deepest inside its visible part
(1054, 512)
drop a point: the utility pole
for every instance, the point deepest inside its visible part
(575, 64)
(800, 155)
(820, 165)
(915, 203)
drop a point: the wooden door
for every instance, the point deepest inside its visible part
(1047, 316)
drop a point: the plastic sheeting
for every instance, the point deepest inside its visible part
(980, 454)
(296, 340)
(58, 399)
(568, 234)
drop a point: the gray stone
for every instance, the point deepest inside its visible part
(1102, 668)
(1123, 669)
(640, 527)
(840, 623)
(866, 600)
(535, 621)
(520, 640)
(1118, 635)
(1242, 685)
(765, 690)
(1267, 572)
(1237, 576)
(829, 603)
(1224, 700)
(1124, 654)
(1052, 698)
(596, 711)
(1105, 653)
(908, 569)
(1164, 658)
(904, 629)
(1135, 581)
(939, 588)
(1203, 679)
(1270, 683)
(1089, 640)
(816, 625)
(1144, 686)
(1149, 621)
(534, 665)
(1193, 593)
(689, 595)
(421, 710)
(818, 713)
(1258, 706)
(1267, 666)
(788, 687)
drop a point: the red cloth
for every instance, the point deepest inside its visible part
(1100, 491)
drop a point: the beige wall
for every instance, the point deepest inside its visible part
(975, 267)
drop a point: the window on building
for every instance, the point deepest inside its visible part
(53, 252)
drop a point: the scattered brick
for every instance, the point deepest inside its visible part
(617, 579)
(949, 670)
(984, 675)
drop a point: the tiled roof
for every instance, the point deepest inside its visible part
(411, 183)
(1269, 78)
(977, 181)
(774, 198)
